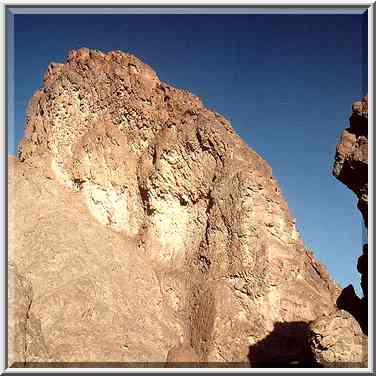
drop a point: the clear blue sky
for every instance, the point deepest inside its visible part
(286, 82)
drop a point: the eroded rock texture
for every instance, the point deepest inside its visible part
(337, 340)
(143, 221)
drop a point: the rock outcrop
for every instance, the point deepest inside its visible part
(351, 168)
(340, 339)
(139, 217)
(351, 159)
(337, 340)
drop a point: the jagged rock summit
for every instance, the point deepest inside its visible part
(139, 220)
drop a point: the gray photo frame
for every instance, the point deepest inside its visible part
(10, 11)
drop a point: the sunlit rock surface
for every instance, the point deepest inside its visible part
(140, 221)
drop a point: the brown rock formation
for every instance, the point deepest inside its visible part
(140, 217)
(337, 340)
(351, 160)
(351, 168)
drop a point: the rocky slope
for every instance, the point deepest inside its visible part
(142, 228)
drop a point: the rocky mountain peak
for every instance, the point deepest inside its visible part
(152, 224)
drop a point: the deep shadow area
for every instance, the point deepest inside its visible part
(285, 346)
(358, 125)
(362, 267)
(350, 302)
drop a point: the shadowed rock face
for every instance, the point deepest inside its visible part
(140, 217)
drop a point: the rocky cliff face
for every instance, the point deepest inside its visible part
(147, 229)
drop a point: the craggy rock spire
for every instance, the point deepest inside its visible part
(340, 339)
(351, 159)
(151, 225)
(351, 168)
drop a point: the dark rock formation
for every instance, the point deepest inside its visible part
(140, 217)
(350, 302)
(363, 270)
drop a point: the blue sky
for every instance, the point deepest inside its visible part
(286, 83)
